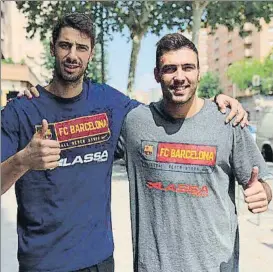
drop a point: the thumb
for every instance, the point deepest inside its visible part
(254, 176)
(42, 131)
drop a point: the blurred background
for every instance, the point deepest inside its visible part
(235, 43)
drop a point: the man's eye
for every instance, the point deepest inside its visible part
(81, 48)
(64, 46)
(169, 69)
(188, 68)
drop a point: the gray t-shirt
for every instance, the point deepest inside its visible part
(182, 188)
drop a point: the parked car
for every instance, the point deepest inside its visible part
(264, 135)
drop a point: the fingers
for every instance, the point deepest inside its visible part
(41, 133)
(50, 165)
(259, 210)
(44, 128)
(51, 158)
(26, 93)
(221, 105)
(259, 206)
(49, 143)
(260, 197)
(245, 122)
(29, 93)
(241, 116)
(233, 112)
(34, 91)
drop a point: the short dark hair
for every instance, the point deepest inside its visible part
(171, 42)
(79, 21)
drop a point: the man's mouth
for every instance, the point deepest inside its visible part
(180, 88)
(70, 68)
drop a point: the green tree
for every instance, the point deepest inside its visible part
(42, 15)
(141, 17)
(209, 85)
(242, 72)
(192, 15)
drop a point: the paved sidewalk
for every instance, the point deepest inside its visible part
(256, 233)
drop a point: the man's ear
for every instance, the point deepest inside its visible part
(92, 53)
(199, 76)
(52, 49)
(157, 75)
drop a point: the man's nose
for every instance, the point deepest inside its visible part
(72, 53)
(179, 74)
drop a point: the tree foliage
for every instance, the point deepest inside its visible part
(241, 73)
(42, 16)
(191, 15)
(142, 17)
(209, 85)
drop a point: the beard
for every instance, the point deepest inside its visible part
(170, 96)
(68, 77)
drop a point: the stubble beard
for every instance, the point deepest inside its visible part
(67, 78)
(169, 96)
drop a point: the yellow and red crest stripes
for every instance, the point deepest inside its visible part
(186, 154)
(148, 149)
(82, 127)
(80, 131)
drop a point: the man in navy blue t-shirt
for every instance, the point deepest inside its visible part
(58, 150)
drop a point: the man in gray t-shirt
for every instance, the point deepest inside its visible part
(182, 161)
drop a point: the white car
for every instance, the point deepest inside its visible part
(264, 135)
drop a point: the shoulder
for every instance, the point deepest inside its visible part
(103, 88)
(212, 109)
(15, 105)
(138, 113)
(111, 95)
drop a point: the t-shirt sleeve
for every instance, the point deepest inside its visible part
(9, 132)
(122, 101)
(121, 146)
(246, 155)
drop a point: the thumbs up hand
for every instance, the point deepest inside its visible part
(255, 194)
(41, 153)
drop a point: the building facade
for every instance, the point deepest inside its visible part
(225, 48)
(22, 58)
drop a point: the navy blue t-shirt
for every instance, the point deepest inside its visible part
(64, 219)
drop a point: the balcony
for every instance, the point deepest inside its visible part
(18, 72)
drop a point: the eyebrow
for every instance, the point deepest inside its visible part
(183, 65)
(77, 44)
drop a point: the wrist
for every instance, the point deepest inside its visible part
(20, 161)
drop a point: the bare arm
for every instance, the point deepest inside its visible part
(11, 170)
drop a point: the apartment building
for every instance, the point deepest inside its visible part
(225, 48)
(26, 54)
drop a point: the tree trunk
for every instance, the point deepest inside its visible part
(198, 9)
(102, 46)
(136, 42)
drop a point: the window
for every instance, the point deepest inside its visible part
(229, 46)
(270, 29)
(216, 42)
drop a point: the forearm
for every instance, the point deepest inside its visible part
(11, 170)
(268, 191)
